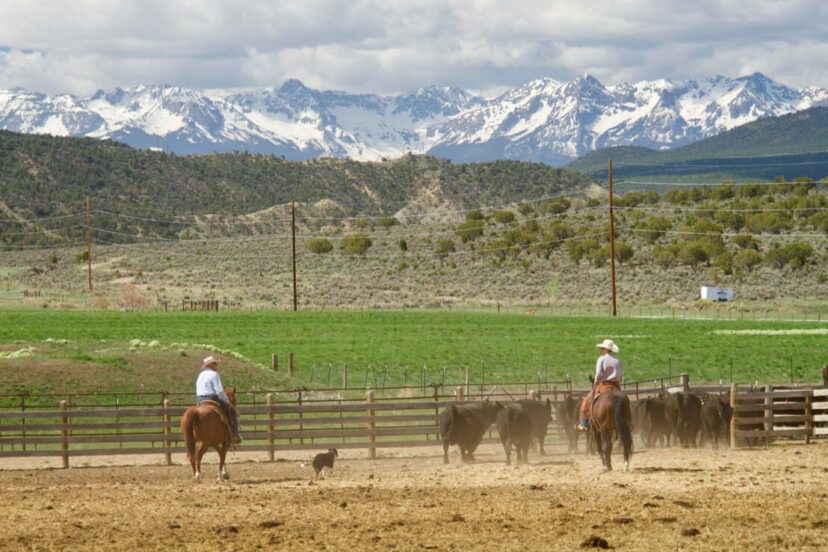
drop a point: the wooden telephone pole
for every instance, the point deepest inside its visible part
(611, 237)
(88, 244)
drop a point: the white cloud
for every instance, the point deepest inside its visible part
(397, 45)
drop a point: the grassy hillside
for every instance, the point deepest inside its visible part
(790, 146)
(43, 177)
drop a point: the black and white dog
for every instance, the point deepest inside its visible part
(324, 460)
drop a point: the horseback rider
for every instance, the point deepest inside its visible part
(208, 387)
(609, 371)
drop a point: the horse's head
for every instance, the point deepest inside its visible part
(231, 395)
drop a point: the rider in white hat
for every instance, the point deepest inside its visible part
(609, 372)
(208, 387)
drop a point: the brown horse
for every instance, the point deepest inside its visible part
(611, 411)
(204, 425)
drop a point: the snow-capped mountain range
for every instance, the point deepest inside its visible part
(544, 120)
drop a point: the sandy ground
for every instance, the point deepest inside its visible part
(673, 499)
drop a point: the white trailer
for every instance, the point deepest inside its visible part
(712, 293)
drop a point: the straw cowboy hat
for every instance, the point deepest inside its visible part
(608, 344)
(208, 361)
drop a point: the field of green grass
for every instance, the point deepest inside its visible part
(417, 347)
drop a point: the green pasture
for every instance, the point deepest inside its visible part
(392, 348)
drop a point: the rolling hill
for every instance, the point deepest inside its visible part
(790, 146)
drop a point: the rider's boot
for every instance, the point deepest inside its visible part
(234, 424)
(582, 425)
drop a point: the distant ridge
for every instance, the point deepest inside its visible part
(791, 146)
(543, 121)
(42, 177)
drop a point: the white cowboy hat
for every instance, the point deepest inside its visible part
(608, 344)
(208, 361)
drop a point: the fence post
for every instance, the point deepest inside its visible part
(274, 362)
(436, 408)
(685, 382)
(23, 420)
(768, 412)
(168, 453)
(270, 426)
(372, 438)
(809, 416)
(467, 381)
(733, 415)
(301, 418)
(64, 434)
(458, 393)
(290, 364)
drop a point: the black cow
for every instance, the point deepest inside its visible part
(516, 429)
(464, 425)
(716, 413)
(541, 413)
(566, 412)
(683, 413)
(651, 421)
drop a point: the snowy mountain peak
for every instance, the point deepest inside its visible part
(543, 120)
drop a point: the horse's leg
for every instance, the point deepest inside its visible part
(199, 455)
(608, 449)
(222, 450)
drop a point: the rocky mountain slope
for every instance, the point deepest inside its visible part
(544, 120)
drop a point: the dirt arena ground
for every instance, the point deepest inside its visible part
(760, 499)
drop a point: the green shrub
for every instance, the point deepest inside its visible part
(470, 230)
(692, 254)
(443, 248)
(320, 246)
(356, 244)
(386, 222)
(503, 216)
(746, 259)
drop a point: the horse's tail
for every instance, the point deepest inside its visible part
(187, 428)
(622, 425)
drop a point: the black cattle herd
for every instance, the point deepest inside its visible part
(684, 419)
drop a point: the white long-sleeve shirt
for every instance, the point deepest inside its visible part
(209, 383)
(608, 368)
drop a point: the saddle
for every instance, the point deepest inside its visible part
(215, 405)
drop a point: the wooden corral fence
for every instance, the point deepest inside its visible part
(345, 423)
(310, 420)
(290, 420)
(762, 416)
(200, 305)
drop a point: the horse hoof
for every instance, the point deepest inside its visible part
(626, 466)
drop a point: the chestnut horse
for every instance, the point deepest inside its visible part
(611, 411)
(203, 425)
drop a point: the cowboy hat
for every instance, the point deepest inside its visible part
(608, 344)
(208, 361)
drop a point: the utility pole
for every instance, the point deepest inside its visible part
(611, 237)
(88, 244)
(293, 242)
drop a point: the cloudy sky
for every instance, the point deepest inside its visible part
(391, 46)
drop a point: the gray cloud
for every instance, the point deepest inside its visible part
(397, 45)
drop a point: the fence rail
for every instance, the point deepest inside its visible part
(761, 416)
(302, 421)
(298, 420)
